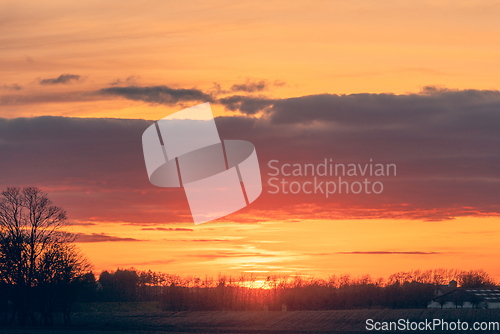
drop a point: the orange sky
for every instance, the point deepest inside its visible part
(313, 247)
(330, 47)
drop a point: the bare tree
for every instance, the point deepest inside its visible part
(475, 279)
(33, 247)
(61, 270)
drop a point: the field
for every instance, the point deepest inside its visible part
(142, 318)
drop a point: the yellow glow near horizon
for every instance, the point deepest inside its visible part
(319, 248)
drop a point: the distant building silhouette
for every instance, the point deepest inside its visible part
(485, 298)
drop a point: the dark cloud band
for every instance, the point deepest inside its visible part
(444, 143)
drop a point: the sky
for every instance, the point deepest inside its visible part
(408, 84)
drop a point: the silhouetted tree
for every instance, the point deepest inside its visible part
(120, 286)
(475, 279)
(61, 275)
(35, 254)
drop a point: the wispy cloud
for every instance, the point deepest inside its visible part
(62, 79)
(279, 83)
(102, 237)
(148, 263)
(167, 229)
(158, 94)
(390, 253)
(251, 86)
(22, 99)
(78, 223)
(200, 240)
(131, 80)
(205, 240)
(249, 105)
(229, 254)
(11, 87)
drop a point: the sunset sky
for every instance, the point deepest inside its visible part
(414, 84)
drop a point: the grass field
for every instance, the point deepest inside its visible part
(143, 318)
(117, 307)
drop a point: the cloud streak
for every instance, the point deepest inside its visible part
(390, 253)
(96, 237)
(62, 79)
(167, 229)
(248, 105)
(228, 254)
(63, 97)
(250, 86)
(11, 87)
(158, 94)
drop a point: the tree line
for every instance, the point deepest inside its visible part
(411, 289)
